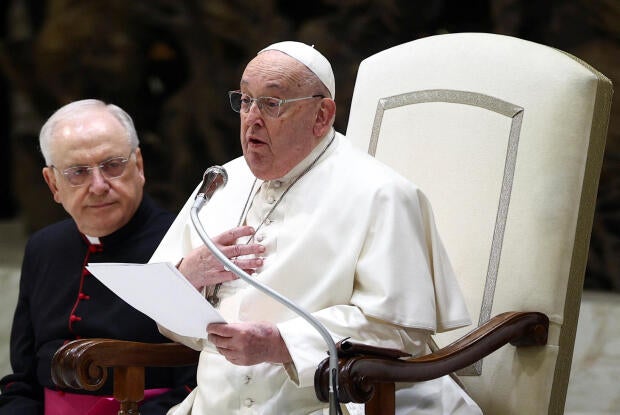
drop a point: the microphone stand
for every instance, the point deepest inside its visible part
(214, 178)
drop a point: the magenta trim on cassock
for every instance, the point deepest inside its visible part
(65, 403)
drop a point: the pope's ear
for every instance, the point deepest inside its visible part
(50, 179)
(324, 117)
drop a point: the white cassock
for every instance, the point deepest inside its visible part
(353, 243)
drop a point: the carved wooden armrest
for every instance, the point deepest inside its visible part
(360, 374)
(83, 364)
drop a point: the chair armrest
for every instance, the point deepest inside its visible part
(83, 364)
(359, 374)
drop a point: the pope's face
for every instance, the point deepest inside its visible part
(102, 205)
(273, 146)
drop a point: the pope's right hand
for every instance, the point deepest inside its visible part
(202, 268)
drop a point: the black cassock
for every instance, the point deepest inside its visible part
(59, 301)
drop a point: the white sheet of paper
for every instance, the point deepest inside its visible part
(161, 292)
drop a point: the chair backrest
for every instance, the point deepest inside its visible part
(506, 138)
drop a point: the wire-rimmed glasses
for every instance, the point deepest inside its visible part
(111, 169)
(270, 106)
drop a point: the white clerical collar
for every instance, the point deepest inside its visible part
(93, 240)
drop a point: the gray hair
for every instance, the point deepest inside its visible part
(310, 80)
(73, 108)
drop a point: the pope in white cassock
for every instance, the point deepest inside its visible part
(327, 226)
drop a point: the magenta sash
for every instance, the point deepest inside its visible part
(64, 403)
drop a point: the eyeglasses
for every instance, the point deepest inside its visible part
(268, 105)
(111, 169)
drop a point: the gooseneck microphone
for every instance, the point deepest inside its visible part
(214, 178)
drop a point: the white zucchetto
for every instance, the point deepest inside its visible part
(310, 57)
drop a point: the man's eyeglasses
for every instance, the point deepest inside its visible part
(270, 106)
(111, 169)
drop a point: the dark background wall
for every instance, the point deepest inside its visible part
(169, 63)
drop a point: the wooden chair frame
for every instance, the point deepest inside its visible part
(84, 364)
(367, 376)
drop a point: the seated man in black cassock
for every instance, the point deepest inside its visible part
(94, 168)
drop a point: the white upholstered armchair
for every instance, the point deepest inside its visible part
(506, 137)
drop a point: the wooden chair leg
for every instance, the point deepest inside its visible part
(129, 388)
(383, 401)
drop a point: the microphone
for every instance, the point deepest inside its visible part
(214, 178)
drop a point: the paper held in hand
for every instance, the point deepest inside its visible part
(161, 292)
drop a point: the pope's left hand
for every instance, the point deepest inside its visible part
(247, 344)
